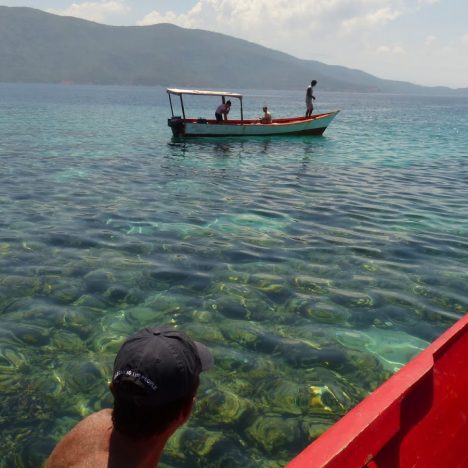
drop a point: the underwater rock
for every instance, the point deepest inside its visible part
(271, 285)
(175, 303)
(188, 442)
(11, 363)
(82, 376)
(324, 399)
(20, 286)
(63, 239)
(11, 359)
(91, 302)
(392, 348)
(81, 320)
(76, 269)
(66, 341)
(98, 281)
(225, 273)
(314, 334)
(108, 342)
(246, 334)
(204, 332)
(316, 424)
(273, 433)
(284, 396)
(66, 293)
(135, 296)
(350, 299)
(298, 353)
(318, 311)
(353, 339)
(304, 355)
(116, 324)
(175, 276)
(35, 452)
(202, 316)
(312, 284)
(362, 318)
(364, 369)
(137, 247)
(241, 302)
(27, 334)
(233, 308)
(141, 315)
(4, 249)
(229, 453)
(116, 293)
(326, 313)
(234, 360)
(425, 331)
(222, 406)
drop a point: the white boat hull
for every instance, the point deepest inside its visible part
(314, 125)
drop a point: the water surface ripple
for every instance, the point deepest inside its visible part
(312, 267)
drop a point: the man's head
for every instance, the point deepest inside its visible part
(313, 82)
(265, 108)
(228, 103)
(156, 376)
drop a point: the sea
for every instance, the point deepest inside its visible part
(312, 267)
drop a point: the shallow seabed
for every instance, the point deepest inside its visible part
(313, 267)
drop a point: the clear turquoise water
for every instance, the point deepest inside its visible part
(313, 267)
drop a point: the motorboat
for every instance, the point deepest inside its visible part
(183, 126)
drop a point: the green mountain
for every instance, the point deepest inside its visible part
(40, 47)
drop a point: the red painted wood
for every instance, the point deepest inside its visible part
(417, 419)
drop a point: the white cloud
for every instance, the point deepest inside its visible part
(93, 11)
(430, 40)
(372, 19)
(464, 38)
(264, 20)
(390, 50)
(185, 20)
(333, 31)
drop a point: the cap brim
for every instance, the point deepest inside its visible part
(206, 358)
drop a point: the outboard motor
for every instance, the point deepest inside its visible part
(177, 125)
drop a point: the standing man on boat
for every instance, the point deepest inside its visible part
(155, 379)
(310, 97)
(222, 109)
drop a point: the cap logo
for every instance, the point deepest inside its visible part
(137, 375)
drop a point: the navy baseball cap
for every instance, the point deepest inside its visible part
(162, 363)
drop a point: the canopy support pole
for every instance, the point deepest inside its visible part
(182, 105)
(170, 103)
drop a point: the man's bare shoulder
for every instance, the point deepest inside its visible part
(87, 444)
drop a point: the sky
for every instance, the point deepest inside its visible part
(420, 41)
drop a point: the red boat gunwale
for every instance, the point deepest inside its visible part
(275, 122)
(417, 418)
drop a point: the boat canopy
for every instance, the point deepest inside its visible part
(197, 92)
